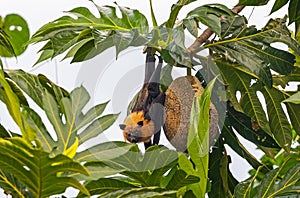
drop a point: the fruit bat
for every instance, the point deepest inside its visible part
(146, 117)
(170, 110)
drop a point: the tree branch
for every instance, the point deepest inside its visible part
(207, 33)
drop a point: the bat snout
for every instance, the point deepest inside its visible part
(133, 136)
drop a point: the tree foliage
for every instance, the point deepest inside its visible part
(250, 67)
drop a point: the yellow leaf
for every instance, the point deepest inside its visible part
(71, 151)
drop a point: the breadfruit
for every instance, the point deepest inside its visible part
(178, 104)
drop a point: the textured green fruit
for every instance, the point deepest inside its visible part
(178, 104)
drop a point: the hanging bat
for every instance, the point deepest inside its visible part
(170, 110)
(146, 117)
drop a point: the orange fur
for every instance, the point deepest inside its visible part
(144, 132)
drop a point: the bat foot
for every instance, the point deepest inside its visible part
(147, 144)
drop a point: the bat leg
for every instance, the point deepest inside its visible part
(147, 144)
(156, 137)
(150, 65)
(154, 84)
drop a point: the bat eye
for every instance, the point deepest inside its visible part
(122, 126)
(140, 123)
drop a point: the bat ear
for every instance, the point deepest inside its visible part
(122, 126)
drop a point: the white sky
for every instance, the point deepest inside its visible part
(105, 77)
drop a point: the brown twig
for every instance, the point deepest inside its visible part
(207, 33)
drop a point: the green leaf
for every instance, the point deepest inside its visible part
(89, 50)
(246, 128)
(135, 19)
(86, 35)
(198, 136)
(35, 86)
(283, 80)
(12, 186)
(149, 192)
(270, 187)
(252, 48)
(122, 41)
(243, 189)
(293, 111)
(63, 110)
(46, 54)
(147, 169)
(5, 44)
(17, 30)
(279, 123)
(92, 114)
(294, 11)
(12, 102)
(222, 180)
(17, 91)
(176, 48)
(180, 179)
(289, 181)
(3, 132)
(97, 127)
(209, 15)
(239, 79)
(96, 170)
(166, 77)
(191, 25)
(106, 185)
(231, 140)
(36, 170)
(186, 165)
(278, 4)
(175, 11)
(115, 187)
(73, 50)
(253, 2)
(104, 151)
(295, 98)
(232, 26)
(63, 40)
(74, 118)
(51, 109)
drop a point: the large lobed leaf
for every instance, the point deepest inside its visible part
(153, 174)
(282, 181)
(277, 125)
(231, 140)
(247, 128)
(64, 111)
(36, 170)
(115, 187)
(12, 186)
(149, 169)
(35, 86)
(252, 48)
(86, 35)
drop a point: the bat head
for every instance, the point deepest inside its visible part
(137, 128)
